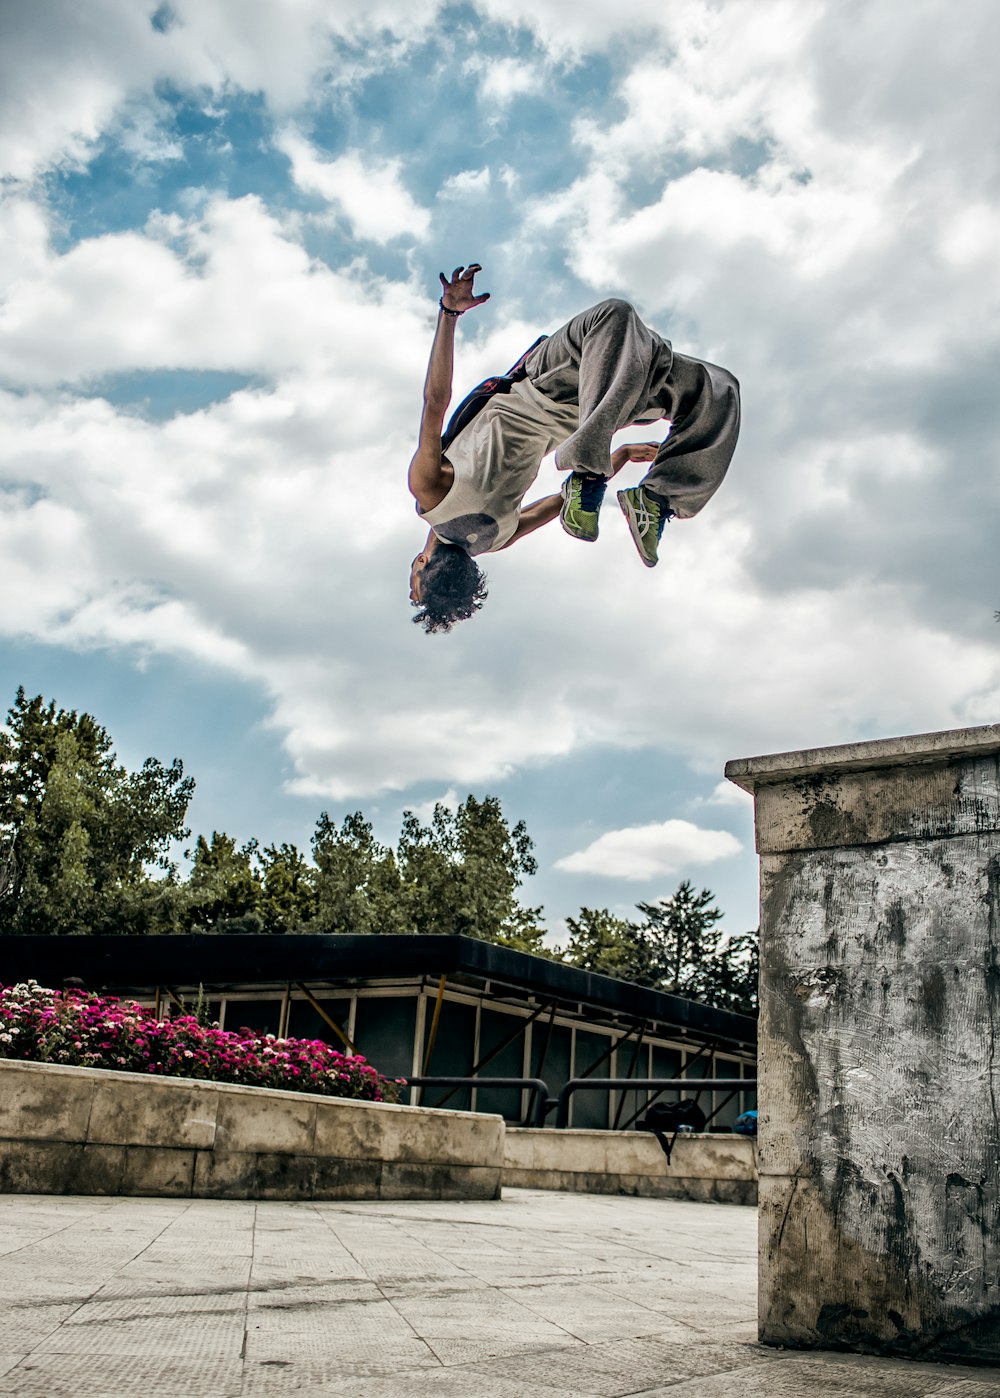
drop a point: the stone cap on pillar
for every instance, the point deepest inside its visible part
(927, 785)
(952, 743)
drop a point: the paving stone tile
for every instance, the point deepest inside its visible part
(176, 1306)
(591, 1313)
(604, 1370)
(345, 1328)
(63, 1376)
(307, 1297)
(7, 1361)
(350, 1355)
(826, 1376)
(896, 1378)
(127, 1283)
(472, 1349)
(970, 1388)
(704, 1313)
(27, 1325)
(208, 1336)
(480, 1313)
(403, 1383)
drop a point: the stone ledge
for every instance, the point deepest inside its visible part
(945, 746)
(709, 1168)
(638, 1186)
(67, 1130)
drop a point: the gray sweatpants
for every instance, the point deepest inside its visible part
(620, 372)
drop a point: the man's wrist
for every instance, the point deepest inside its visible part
(452, 315)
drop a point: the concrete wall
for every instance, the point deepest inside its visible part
(720, 1169)
(87, 1131)
(879, 1069)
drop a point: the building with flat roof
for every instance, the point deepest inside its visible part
(423, 1006)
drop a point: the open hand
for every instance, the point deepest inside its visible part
(633, 451)
(459, 293)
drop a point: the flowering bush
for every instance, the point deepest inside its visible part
(94, 1031)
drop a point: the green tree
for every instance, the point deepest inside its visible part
(676, 947)
(288, 899)
(600, 941)
(680, 935)
(461, 874)
(733, 977)
(357, 883)
(80, 835)
(690, 956)
(223, 892)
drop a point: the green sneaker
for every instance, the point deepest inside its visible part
(646, 516)
(582, 496)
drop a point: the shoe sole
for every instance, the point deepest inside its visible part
(625, 505)
(584, 538)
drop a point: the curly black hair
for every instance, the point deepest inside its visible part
(452, 588)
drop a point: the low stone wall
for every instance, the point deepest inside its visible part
(88, 1131)
(710, 1168)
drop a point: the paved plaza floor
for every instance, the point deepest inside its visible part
(536, 1296)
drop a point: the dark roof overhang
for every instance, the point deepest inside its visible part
(131, 965)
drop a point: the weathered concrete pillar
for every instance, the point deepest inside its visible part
(879, 1060)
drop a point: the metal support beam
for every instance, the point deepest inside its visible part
(516, 1033)
(325, 1017)
(615, 1044)
(544, 1050)
(435, 1019)
(722, 1105)
(631, 1070)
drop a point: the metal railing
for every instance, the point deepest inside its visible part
(541, 1102)
(539, 1090)
(655, 1085)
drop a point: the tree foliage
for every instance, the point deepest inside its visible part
(223, 890)
(461, 873)
(356, 879)
(677, 947)
(600, 941)
(288, 897)
(79, 834)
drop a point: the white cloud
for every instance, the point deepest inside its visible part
(90, 61)
(231, 289)
(502, 80)
(424, 810)
(467, 184)
(368, 192)
(568, 30)
(644, 852)
(843, 265)
(725, 793)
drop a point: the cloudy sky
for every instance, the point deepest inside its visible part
(220, 232)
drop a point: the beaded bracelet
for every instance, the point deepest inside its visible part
(446, 310)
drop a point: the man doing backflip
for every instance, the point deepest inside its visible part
(574, 389)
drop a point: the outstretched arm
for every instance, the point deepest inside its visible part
(533, 516)
(427, 480)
